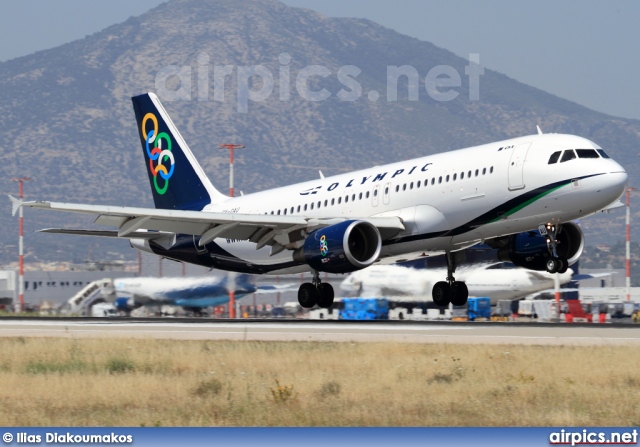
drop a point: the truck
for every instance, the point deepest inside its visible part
(103, 310)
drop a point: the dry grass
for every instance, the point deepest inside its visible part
(195, 383)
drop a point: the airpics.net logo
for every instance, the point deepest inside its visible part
(258, 83)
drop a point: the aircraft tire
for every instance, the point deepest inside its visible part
(553, 265)
(307, 295)
(442, 293)
(325, 295)
(460, 293)
(564, 265)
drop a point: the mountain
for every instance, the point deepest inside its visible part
(66, 118)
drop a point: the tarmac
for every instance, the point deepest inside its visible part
(333, 331)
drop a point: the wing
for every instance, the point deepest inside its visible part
(280, 232)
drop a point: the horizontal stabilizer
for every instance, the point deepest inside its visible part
(613, 206)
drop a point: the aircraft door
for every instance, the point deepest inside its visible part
(387, 193)
(516, 166)
(374, 195)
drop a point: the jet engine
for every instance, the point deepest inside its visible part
(530, 250)
(341, 248)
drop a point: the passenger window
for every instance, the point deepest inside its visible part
(291, 210)
(484, 171)
(339, 200)
(433, 180)
(491, 170)
(397, 188)
(278, 212)
(454, 177)
(346, 199)
(411, 185)
(326, 202)
(462, 176)
(587, 153)
(305, 207)
(360, 196)
(603, 153)
(447, 179)
(353, 196)
(554, 157)
(469, 174)
(319, 204)
(311, 205)
(298, 208)
(439, 180)
(404, 187)
(285, 212)
(375, 193)
(568, 155)
(418, 184)
(477, 172)
(367, 194)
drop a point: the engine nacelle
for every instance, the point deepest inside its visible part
(341, 248)
(529, 249)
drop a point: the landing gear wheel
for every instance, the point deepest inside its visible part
(553, 266)
(460, 293)
(564, 265)
(442, 293)
(307, 295)
(325, 295)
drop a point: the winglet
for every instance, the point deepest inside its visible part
(15, 204)
(539, 130)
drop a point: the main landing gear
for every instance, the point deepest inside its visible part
(555, 264)
(450, 291)
(315, 292)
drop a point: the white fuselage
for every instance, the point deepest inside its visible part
(448, 201)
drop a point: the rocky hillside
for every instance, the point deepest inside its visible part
(66, 118)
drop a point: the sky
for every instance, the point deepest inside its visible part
(581, 50)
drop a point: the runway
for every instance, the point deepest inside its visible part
(334, 331)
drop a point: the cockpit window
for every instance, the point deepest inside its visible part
(568, 155)
(554, 157)
(603, 153)
(587, 153)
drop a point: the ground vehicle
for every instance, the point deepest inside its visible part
(103, 310)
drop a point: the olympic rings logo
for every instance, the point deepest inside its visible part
(324, 249)
(160, 153)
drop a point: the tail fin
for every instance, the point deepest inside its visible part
(177, 180)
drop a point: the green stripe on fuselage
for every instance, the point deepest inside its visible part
(529, 202)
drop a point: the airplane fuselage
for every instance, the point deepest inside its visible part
(447, 202)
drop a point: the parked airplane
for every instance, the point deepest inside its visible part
(490, 280)
(188, 292)
(498, 193)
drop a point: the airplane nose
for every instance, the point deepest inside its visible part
(617, 181)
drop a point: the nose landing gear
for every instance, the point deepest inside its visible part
(555, 264)
(450, 291)
(315, 292)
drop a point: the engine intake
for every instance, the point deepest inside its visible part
(529, 249)
(341, 248)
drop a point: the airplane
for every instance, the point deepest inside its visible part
(193, 293)
(491, 280)
(519, 196)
